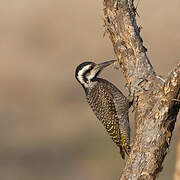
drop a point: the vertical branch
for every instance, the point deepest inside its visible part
(155, 111)
(177, 165)
(120, 22)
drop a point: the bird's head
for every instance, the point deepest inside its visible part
(87, 72)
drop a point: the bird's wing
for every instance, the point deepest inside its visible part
(122, 105)
(101, 101)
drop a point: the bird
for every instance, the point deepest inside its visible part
(107, 102)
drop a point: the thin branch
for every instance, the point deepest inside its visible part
(155, 111)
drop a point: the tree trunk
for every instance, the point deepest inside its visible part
(177, 165)
(155, 103)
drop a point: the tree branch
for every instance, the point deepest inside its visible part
(177, 165)
(155, 109)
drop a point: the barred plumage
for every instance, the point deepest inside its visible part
(107, 102)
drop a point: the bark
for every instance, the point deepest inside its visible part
(155, 102)
(177, 165)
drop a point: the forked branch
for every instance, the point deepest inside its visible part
(155, 102)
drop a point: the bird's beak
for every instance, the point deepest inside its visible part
(104, 64)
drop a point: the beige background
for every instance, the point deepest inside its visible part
(47, 130)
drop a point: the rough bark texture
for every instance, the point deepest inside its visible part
(155, 111)
(177, 166)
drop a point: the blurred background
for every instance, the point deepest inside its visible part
(47, 130)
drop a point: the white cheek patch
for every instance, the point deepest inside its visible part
(80, 75)
(92, 74)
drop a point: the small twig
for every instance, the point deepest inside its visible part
(176, 100)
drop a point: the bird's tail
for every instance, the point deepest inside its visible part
(125, 144)
(122, 152)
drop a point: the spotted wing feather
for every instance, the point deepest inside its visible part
(104, 101)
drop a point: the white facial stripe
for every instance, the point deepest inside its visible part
(92, 74)
(80, 74)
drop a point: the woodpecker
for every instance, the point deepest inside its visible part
(107, 102)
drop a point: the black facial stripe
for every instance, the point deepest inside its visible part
(88, 71)
(96, 75)
(83, 65)
(85, 79)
